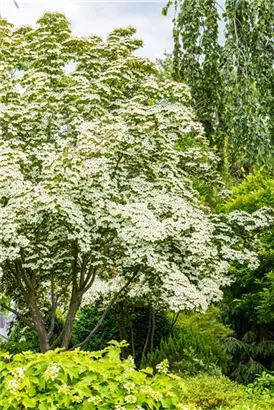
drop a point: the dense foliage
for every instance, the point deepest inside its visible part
(249, 303)
(190, 349)
(83, 380)
(229, 66)
(100, 380)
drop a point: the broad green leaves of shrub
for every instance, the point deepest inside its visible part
(84, 380)
(255, 192)
(101, 380)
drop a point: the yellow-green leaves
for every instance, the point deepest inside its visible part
(83, 381)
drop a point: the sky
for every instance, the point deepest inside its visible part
(101, 16)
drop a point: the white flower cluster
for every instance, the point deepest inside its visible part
(129, 385)
(14, 384)
(64, 389)
(95, 400)
(52, 371)
(163, 367)
(148, 390)
(130, 399)
(18, 372)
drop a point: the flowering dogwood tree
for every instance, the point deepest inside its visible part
(97, 159)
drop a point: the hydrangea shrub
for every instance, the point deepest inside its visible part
(84, 380)
(102, 381)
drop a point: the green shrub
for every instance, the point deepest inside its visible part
(255, 192)
(210, 393)
(263, 384)
(213, 392)
(128, 320)
(248, 304)
(83, 380)
(14, 347)
(196, 345)
(86, 319)
(101, 380)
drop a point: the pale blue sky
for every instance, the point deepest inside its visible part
(101, 16)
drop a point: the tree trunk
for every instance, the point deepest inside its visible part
(132, 340)
(39, 325)
(153, 326)
(73, 308)
(148, 334)
(122, 328)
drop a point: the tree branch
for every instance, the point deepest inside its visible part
(100, 321)
(152, 331)
(53, 307)
(86, 284)
(74, 264)
(83, 269)
(148, 334)
(23, 275)
(19, 315)
(16, 273)
(174, 320)
(58, 340)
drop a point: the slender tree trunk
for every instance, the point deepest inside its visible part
(174, 320)
(75, 300)
(148, 334)
(73, 308)
(39, 325)
(26, 281)
(152, 331)
(122, 328)
(132, 340)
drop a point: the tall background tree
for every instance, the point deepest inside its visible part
(229, 68)
(225, 52)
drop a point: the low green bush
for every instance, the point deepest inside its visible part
(220, 393)
(263, 385)
(84, 380)
(14, 347)
(195, 346)
(102, 381)
(212, 392)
